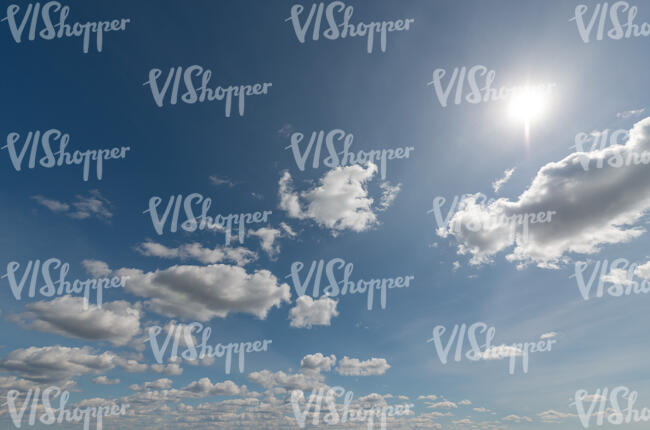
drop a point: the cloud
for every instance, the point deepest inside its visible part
(388, 194)
(103, 380)
(92, 206)
(317, 362)
(267, 238)
(549, 335)
(582, 222)
(496, 185)
(96, 268)
(339, 202)
(643, 271)
(517, 419)
(196, 251)
(500, 352)
(355, 367)
(217, 181)
(116, 322)
(309, 312)
(552, 416)
(159, 384)
(287, 229)
(445, 404)
(173, 369)
(630, 113)
(431, 397)
(206, 292)
(51, 364)
(289, 382)
(204, 387)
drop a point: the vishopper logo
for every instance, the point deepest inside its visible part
(341, 414)
(618, 18)
(222, 223)
(344, 286)
(600, 140)
(35, 139)
(479, 79)
(345, 157)
(614, 414)
(486, 351)
(623, 278)
(50, 415)
(34, 11)
(200, 93)
(338, 17)
(461, 216)
(182, 335)
(59, 287)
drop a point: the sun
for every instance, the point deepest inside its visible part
(528, 104)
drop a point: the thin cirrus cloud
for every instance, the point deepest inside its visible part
(195, 251)
(94, 205)
(581, 224)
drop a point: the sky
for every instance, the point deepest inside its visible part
(378, 220)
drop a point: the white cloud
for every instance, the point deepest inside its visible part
(445, 404)
(53, 205)
(630, 113)
(309, 312)
(355, 367)
(431, 397)
(59, 363)
(317, 362)
(517, 419)
(388, 194)
(339, 202)
(240, 256)
(206, 292)
(643, 271)
(96, 268)
(500, 352)
(582, 223)
(117, 322)
(173, 369)
(92, 206)
(204, 387)
(287, 229)
(267, 238)
(217, 181)
(496, 185)
(548, 335)
(298, 381)
(103, 380)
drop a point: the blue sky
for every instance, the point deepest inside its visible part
(383, 99)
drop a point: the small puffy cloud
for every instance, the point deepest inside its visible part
(430, 397)
(643, 271)
(206, 292)
(309, 312)
(317, 362)
(445, 404)
(96, 268)
(195, 251)
(339, 202)
(517, 419)
(299, 381)
(203, 387)
(116, 322)
(552, 416)
(173, 369)
(103, 380)
(267, 238)
(159, 384)
(355, 367)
